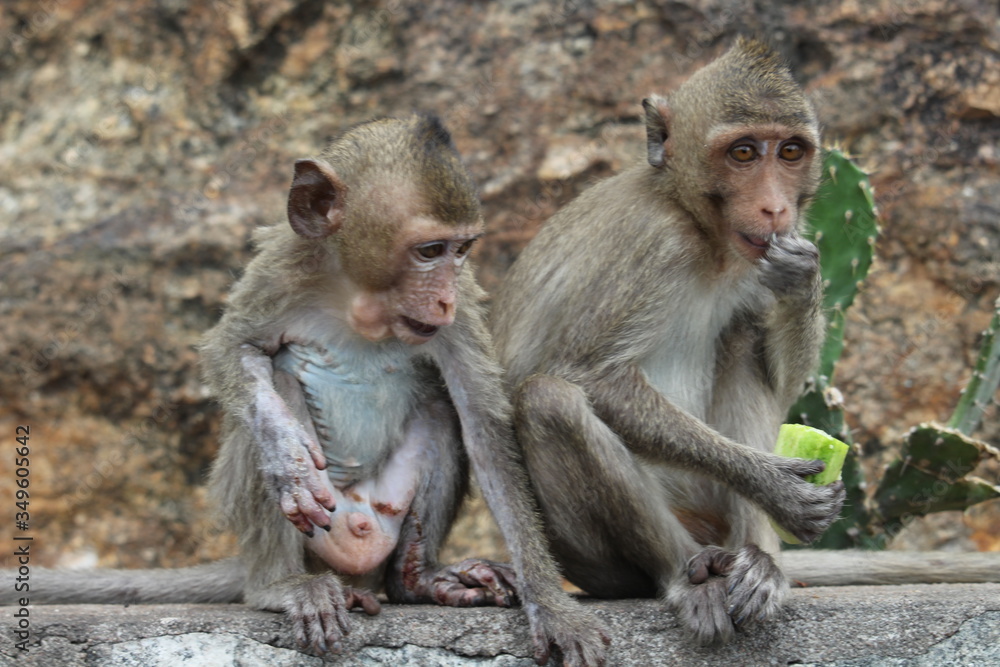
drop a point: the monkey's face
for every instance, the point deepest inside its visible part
(763, 176)
(426, 260)
(401, 241)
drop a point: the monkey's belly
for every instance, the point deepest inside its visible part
(363, 530)
(369, 516)
(358, 400)
(374, 438)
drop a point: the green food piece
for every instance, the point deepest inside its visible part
(805, 442)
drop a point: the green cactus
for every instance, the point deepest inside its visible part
(985, 380)
(933, 471)
(932, 475)
(843, 225)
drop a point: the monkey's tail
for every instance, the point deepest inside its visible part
(854, 567)
(221, 581)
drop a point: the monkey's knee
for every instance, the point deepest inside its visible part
(548, 402)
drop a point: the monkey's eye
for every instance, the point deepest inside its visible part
(743, 153)
(464, 248)
(792, 152)
(431, 250)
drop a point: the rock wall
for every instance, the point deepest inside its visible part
(904, 626)
(141, 142)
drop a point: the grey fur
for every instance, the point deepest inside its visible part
(218, 582)
(650, 367)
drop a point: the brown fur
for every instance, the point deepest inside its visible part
(392, 171)
(652, 354)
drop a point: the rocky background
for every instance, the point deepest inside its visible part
(141, 142)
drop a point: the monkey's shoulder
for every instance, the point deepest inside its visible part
(618, 216)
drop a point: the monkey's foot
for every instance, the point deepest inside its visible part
(701, 609)
(708, 562)
(578, 636)
(472, 583)
(317, 606)
(756, 587)
(727, 591)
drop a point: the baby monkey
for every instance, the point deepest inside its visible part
(358, 380)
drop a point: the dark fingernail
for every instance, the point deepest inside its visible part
(326, 528)
(309, 533)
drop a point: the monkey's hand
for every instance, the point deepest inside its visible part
(580, 637)
(471, 583)
(291, 462)
(317, 607)
(803, 509)
(789, 267)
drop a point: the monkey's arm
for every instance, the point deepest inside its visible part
(468, 365)
(242, 374)
(653, 427)
(795, 326)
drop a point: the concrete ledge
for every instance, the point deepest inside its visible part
(938, 624)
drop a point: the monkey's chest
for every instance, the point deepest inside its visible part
(683, 366)
(358, 402)
(686, 379)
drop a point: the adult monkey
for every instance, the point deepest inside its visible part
(654, 335)
(357, 379)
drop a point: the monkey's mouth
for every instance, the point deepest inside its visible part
(754, 247)
(419, 328)
(761, 243)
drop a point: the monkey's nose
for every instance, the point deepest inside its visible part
(359, 524)
(776, 215)
(447, 308)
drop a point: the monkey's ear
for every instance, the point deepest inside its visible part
(315, 200)
(658, 141)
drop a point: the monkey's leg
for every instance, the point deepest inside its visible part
(274, 551)
(609, 515)
(756, 586)
(415, 575)
(791, 338)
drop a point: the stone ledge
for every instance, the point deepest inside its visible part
(938, 624)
